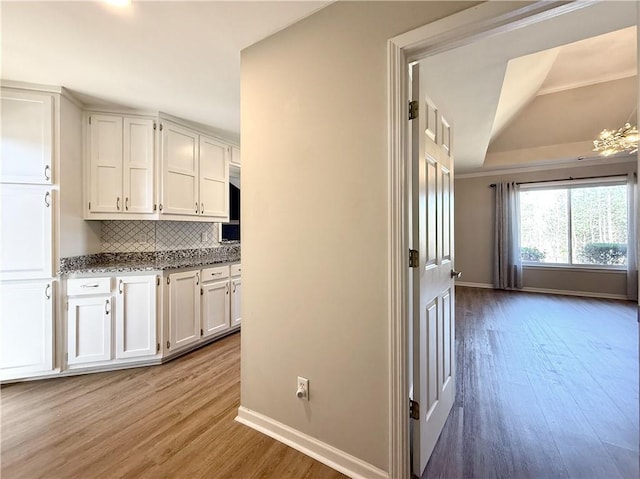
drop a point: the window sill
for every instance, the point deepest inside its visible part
(577, 268)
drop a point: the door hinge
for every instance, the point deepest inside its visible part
(413, 110)
(414, 258)
(89, 120)
(158, 348)
(414, 409)
(168, 344)
(89, 205)
(201, 332)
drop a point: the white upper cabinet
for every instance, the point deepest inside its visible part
(235, 155)
(179, 171)
(138, 165)
(121, 165)
(105, 151)
(26, 215)
(27, 133)
(195, 174)
(214, 178)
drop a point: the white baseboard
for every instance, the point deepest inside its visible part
(474, 285)
(312, 447)
(563, 292)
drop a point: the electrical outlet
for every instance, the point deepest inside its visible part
(204, 237)
(303, 388)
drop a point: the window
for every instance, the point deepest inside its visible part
(577, 224)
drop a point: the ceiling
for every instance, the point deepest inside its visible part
(182, 58)
(484, 87)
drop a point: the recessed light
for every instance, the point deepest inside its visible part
(118, 3)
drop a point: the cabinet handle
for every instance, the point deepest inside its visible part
(47, 172)
(118, 203)
(234, 287)
(196, 208)
(197, 279)
(201, 208)
(89, 285)
(47, 292)
(120, 287)
(227, 287)
(126, 204)
(107, 309)
(160, 207)
(47, 195)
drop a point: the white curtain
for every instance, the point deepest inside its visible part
(507, 264)
(632, 239)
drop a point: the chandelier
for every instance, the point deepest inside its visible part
(610, 142)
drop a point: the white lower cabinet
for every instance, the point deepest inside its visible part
(136, 316)
(89, 328)
(184, 309)
(111, 324)
(26, 328)
(215, 293)
(236, 295)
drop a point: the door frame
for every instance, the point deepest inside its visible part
(468, 26)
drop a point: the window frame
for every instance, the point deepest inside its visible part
(569, 185)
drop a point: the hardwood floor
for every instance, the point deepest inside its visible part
(547, 388)
(170, 421)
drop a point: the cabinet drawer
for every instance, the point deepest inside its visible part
(236, 269)
(84, 286)
(210, 274)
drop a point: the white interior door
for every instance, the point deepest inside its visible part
(433, 287)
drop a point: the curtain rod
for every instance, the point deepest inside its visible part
(493, 185)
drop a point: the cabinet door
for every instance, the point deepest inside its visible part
(215, 308)
(26, 328)
(89, 329)
(26, 141)
(214, 178)
(105, 158)
(236, 296)
(136, 316)
(26, 215)
(138, 165)
(179, 171)
(184, 309)
(235, 155)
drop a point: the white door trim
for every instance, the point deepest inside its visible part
(485, 20)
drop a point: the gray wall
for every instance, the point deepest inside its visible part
(314, 219)
(474, 233)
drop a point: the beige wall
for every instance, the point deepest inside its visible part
(314, 219)
(474, 233)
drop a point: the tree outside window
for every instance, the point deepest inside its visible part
(581, 224)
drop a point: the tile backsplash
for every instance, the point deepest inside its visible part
(148, 236)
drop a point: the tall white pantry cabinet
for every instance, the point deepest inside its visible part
(41, 153)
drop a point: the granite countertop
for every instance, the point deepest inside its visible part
(150, 261)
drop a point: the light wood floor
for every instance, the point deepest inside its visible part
(170, 421)
(547, 388)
